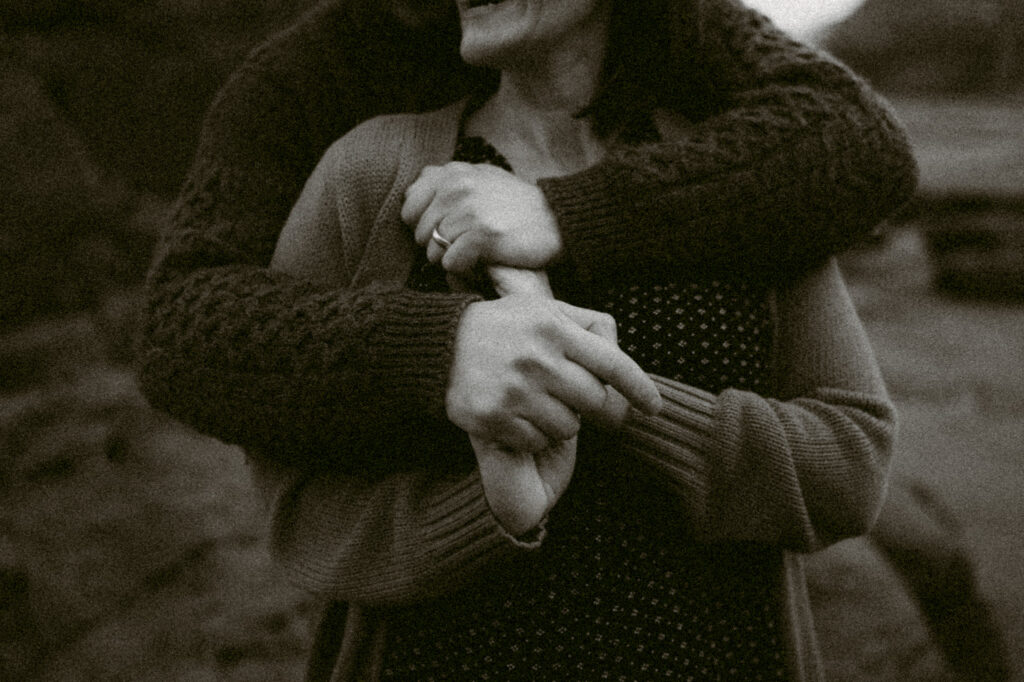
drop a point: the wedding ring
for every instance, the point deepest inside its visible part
(441, 241)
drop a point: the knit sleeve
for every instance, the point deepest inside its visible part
(802, 470)
(257, 357)
(798, 161)
(386, 541)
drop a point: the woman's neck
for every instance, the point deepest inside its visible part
(532, 118)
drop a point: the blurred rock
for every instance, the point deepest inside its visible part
(64, 241)
(128, 543)
(130, 547)
(935, 46)
(100, 107)
(135, 77)
(979, 254)
(49, 13)
(868, 626)
(47, 353)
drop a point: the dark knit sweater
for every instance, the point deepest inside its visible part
(796, 161)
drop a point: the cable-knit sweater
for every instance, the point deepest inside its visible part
(795, 160)
(797, 470)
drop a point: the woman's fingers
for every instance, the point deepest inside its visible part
(509, 218)
(431, 198)
(552, 418)
(513, 488)
(522, 488)
(418, 197)
(606, 361)
(517, 433)
(464, 253)
(430, 225)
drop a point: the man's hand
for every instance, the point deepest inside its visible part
(526, 367)
(489, 215)
(522, 488)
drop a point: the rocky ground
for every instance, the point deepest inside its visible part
(956, 369)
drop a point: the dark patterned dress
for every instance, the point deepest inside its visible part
(618, 591)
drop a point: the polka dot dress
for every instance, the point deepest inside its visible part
(618, 591)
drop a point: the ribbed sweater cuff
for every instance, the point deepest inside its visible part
(462, 521)
(414, 345)
(594, 220)
(677, 441)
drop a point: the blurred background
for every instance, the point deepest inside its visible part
(131, 548)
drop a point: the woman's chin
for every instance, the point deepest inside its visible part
(489, 54)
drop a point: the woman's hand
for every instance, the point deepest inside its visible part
(526, 367)
(521, 488)
(489, 215)
(508, 281)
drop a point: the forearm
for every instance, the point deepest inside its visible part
(801, 473)
(265, 361)
(260, 358)
(796, 160)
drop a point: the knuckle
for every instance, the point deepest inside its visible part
(462, 185)
(536, 368)
(515, 398)
(457, 171)
(493, 408)
(533, 441)
(569, 429)
(484, 408)
(550, 328)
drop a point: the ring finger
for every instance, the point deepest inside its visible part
(437, 245)
(579, 390)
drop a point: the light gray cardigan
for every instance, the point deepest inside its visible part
(801, 469)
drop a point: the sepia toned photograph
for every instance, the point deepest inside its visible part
(511, 340)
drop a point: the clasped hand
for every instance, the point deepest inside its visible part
(526, 367)
(488, 214)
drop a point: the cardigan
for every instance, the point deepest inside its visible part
(799, 470)
(797, 161)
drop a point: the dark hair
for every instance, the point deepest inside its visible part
(650, 60)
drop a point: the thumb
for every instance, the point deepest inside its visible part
(512, 486)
